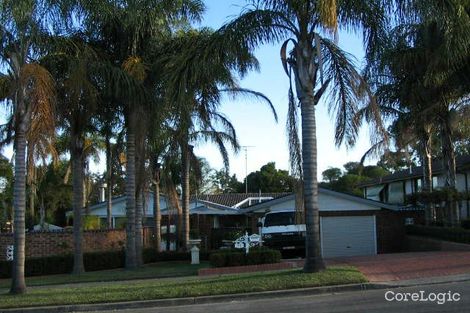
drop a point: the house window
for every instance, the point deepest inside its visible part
(435, 182)
(373, 193)
(419, 185)
(396, 193)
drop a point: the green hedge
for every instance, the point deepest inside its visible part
(445, 233)
(233, 257)
(94, 261)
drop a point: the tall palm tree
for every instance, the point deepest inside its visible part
(126, 29)
(422, 73)
(30, 92)
(314, 64)
(196, 78)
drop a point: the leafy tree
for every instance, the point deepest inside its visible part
(331, 174)
(355, 174)
(269, 179)
(222, 182)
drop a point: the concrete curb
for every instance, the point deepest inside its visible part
(194, 300)
(219, 298)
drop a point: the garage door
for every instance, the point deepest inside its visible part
(348, 236)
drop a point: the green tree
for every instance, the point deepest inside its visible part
(126, 29)
(424, 96)
(29, 90)
(222, 182)
(269, 179)
(331, 174)
(197, 77)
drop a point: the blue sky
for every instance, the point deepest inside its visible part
(253, 120)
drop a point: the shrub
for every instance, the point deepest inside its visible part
(150, 255)
(62, 264)
(93, 261)
(465, 223)
(233, 257)
(445, 233)
(91, 222)
(97, 261)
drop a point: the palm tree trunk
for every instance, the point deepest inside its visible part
(427, 175)
(109, 182)
(156, 209)
(448, 159)
(138, 228)
(130, 193)
(185, 189)
(313, 258)
(78, 201)
(18, 284)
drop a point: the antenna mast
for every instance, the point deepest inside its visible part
(246, 166)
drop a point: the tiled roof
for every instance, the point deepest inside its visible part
(231, 199)
(462, 163)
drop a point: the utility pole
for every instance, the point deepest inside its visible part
(246, 166)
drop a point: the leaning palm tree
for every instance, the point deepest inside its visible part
(197, 77)
(30, 93)
(314, 64)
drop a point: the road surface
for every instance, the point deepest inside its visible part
(350, 302)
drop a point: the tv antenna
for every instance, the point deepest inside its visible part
(245, 148)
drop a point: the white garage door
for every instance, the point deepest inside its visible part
(348, 236)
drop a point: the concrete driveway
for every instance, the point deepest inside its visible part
(410, 265)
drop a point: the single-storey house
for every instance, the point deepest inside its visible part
(350, 225)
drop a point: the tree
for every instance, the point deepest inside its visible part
(222, 182)
(331, 174)
(126, 29)
(355, 174)
(314, 64)
(424, 96)
(269, 179)
(29, 90)
(197, 77)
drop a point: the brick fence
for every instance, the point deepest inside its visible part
(40, 244)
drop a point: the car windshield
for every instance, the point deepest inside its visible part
(279, 219)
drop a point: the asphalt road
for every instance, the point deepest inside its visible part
(350, 302)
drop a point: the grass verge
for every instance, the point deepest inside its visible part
(155, 270)
(191, 287)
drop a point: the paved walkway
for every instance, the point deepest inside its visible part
(411, 265)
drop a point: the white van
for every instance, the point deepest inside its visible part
(279, 231)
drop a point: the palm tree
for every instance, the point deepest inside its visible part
(30, 93)
(314, 64)
(196, 78)
(126, 29)
(421, 75)
(77, 70)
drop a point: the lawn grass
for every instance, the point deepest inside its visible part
(190, 287)
(155, 270)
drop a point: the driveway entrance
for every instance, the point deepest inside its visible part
(412, 265)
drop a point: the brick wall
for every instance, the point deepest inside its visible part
(40, 244)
